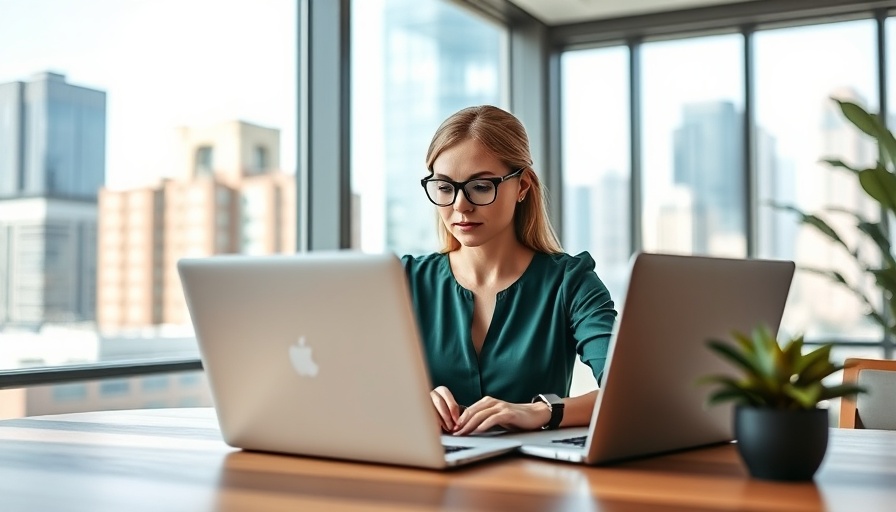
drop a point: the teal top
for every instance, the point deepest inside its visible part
(558, 308)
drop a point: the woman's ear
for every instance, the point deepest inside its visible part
(525, 186)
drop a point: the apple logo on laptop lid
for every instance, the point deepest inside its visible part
(300, 357)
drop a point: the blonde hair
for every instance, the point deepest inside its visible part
(504, 136)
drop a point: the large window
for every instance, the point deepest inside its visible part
(692, 150)
(692, 164)
(101, 101)
(798, 71)
(414, 63)
(596, 161)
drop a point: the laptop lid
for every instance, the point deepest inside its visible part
(315, 354)
(650, 401)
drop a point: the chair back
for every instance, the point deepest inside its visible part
(875, 409)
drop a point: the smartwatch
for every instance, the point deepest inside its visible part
(555, 405)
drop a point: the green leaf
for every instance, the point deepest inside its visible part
(835, 162)
(816, 222)
(794, 351)
(885, 277)
(807, 397)
(743, 396)
(816, 372)
(886, 142)
(875, 232)
(841, 390)
(820, 354)
(764, 353)
(859, 117)
(880, 184)
(744, 342)
(732, 355)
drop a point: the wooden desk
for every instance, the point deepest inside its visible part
(174, 459)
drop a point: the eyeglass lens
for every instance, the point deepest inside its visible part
(478, 192)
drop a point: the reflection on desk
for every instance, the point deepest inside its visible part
(174, 459)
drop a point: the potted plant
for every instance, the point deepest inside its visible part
(781, 432)
(872, 251)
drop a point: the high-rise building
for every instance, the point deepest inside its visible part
(579, 224)
(52, 162)
(53, 136)
(47, 260)
(708, 160)
(612, 238)
(230, 198)
(776, 182)
(439, 60)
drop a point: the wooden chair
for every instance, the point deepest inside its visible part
(881, 396)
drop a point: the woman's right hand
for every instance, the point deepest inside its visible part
(447, 408)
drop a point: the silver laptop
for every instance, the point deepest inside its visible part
(649, 401)
(318, 354)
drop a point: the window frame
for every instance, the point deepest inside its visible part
(324, 116)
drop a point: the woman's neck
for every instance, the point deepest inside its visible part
(491, 263)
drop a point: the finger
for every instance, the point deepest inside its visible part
(454, 408)
(442, 424)
(443, 409)
(481, 405)
(480, 421)
(442, 412)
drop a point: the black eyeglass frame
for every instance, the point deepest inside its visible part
(462, 185)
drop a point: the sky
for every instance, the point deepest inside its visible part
(162, 64)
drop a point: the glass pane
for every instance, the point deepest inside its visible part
(132, 134)
(596, 160)
(188, 389)
(692, 153)
(798, 70)
(414, 63)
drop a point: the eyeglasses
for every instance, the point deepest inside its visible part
(479, 191)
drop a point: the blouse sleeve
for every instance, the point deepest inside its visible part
(591, 313)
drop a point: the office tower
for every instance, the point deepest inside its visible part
(53, 136)
(612, 237)
(776, 183)
(578, 219)
(47, 260)
(437, 60)
(611, 221)
(709, 161)
(675, 222)
(230, 197)
(52, 162)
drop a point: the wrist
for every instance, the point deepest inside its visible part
(554, 405)
(542, 413)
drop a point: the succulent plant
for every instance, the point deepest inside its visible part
(773, 375)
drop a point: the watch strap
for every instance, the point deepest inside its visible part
(555, 405)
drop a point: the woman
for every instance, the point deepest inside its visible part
(502, 309)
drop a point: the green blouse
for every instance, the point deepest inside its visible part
(558, 308)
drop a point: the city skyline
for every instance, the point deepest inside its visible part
(157, 84)
(166, 66)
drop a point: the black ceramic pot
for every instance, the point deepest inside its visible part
(780, 444)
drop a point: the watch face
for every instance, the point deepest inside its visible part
(553, 399)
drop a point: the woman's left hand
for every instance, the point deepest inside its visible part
(490, 412)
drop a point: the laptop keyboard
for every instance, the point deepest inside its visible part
(452, 449)
(575, 441)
